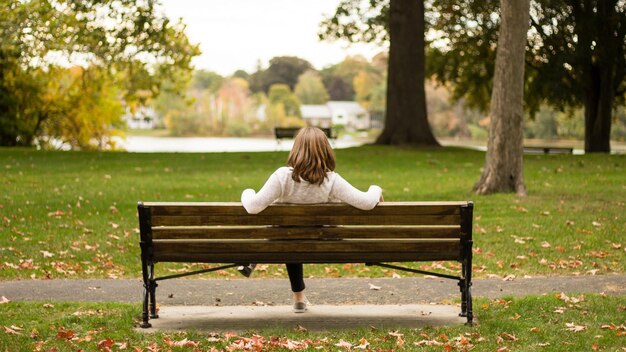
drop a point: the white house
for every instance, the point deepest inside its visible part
(316, 115)
(347, 113)
(143, 119)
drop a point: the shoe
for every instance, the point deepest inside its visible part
(246, 269)
(299, 307)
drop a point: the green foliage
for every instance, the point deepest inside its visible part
(569, 44)
(284, 106)
(339, 79)
(185, 123)
(567, 40)
(337, 87)
(357, 21)
(237, 129)
(282, 69)
(543, 126)
(93, 115)
(310, 89)
(203, 79)
(464, 55)
(128, 45)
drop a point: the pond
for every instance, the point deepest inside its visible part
(144, 144)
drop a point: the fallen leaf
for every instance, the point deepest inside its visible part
(4, 300)
(343, 344)
(374, 287)
(596, 224)
(508, 336)
(108, 343)
(11, 331)
(362, 344)
(65, 334)
(47, 254)
(575, 328)
(182, 343)
(509, 277)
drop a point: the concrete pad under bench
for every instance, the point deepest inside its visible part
(317, 318)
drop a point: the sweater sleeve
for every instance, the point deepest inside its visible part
(255, 203)
(345, 192)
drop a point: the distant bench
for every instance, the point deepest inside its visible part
(547, 150)
(321, 233)
(290, 132)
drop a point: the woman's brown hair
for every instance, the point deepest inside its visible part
(311, 156)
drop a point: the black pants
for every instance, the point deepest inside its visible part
(296, 276)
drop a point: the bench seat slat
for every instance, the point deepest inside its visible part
(329, 209)
(306, 220)
(261, 232)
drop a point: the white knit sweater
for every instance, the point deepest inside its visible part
(281, 188)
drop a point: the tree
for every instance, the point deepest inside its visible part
(203, 79)
(406, 120)
(284, 106)
(310, 89)
(503, 171)
(282, 69)
(337, 87)
(576, 57)
(87, 107)
(579, 55)
(128, 43)
(403, 23)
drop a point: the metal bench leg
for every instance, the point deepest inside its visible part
(468, 292)
(463, 288)
(146, 292)
(153, 286)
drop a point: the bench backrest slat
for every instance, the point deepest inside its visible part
(264, 232)
(229, 214)
(235, 209)
(304, 220)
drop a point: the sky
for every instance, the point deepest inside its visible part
(236, 34)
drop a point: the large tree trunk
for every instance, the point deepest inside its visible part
(598, 114)
(503, 171)
(406, 120)
(599, 87)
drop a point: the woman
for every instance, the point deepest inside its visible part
(308, 178)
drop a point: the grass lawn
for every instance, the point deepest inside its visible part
(73, 214)
(544, 323)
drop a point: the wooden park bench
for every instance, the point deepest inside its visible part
(225, 233)
(290, 132)
(547, 150)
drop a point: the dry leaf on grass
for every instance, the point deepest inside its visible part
(575, 328)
